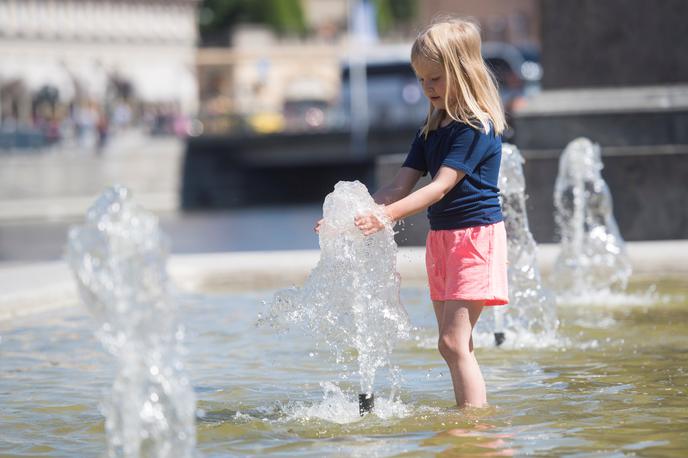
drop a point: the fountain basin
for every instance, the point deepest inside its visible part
(617, 371)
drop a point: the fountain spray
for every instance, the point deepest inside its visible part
(531, 309)
(118, 258)
(351, 298)
(593, 257)
(366, 403)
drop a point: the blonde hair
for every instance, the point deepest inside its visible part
(471, 96)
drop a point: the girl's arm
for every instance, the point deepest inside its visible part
(444, 181)
(399, 188)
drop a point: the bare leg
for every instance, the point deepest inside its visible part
(439, 312)
(456, 381)
(456, 346)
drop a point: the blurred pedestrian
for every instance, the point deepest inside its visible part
(103, 129)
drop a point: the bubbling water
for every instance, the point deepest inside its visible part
(530, 318)
(593, 258)
(351, 298)
(118, 258)
(337, 407)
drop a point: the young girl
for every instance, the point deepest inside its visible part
(460, 146)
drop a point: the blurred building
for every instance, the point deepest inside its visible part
(267, 83)
(616, 72)
(510, 21)
(75, 58)
(327, 18)
(255, 79)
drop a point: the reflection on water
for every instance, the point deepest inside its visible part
(477, 441)
(617, 386)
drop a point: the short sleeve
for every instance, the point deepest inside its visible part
(464, 153)
(416, 156)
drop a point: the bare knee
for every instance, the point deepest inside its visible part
(452, 349)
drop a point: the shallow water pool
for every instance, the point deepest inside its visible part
(614, 384)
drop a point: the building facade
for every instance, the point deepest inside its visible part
(509, 21)
(59, 56)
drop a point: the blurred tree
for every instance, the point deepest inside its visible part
(394, 14)
(217, 18)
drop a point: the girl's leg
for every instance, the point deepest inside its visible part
(456, 381)
(456, 346)
(439, 312)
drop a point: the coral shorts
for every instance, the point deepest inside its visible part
(468, 264)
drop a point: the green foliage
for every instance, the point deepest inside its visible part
(286, 17)
(391, 13)
(219, 17)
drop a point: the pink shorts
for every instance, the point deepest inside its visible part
(468, 264)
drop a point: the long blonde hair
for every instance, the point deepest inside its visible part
(472, 95)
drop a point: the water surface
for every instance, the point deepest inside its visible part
(613, 384)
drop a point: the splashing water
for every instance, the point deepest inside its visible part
(336, 407)
(351, 298)
(530, 316)
(593, 257)
(118, 258)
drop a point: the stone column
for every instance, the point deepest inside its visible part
(614, 71)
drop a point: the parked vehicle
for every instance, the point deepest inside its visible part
(393, 93)
(305, 114)
(395, 97)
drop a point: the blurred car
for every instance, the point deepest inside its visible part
(516, 75)
(393, 94)
(305, 114)
(395, 97)
(266, 122)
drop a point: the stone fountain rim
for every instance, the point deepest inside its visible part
(265, 270)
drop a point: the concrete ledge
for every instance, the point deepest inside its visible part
(62, 182)
(607, 100)
(35, 288)
(649, 198)
(62, 208)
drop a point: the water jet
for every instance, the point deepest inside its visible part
(366, 403)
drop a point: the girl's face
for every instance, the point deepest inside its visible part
(433, 80)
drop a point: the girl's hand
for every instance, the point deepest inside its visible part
(317, 226)
(369, 224)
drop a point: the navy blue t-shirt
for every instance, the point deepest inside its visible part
(474, 201)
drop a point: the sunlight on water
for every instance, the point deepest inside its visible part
(615, 383)
(513, 341)
(351, 298)
(337, 407)
(613, 380)
(606, 298)
(118, 258)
